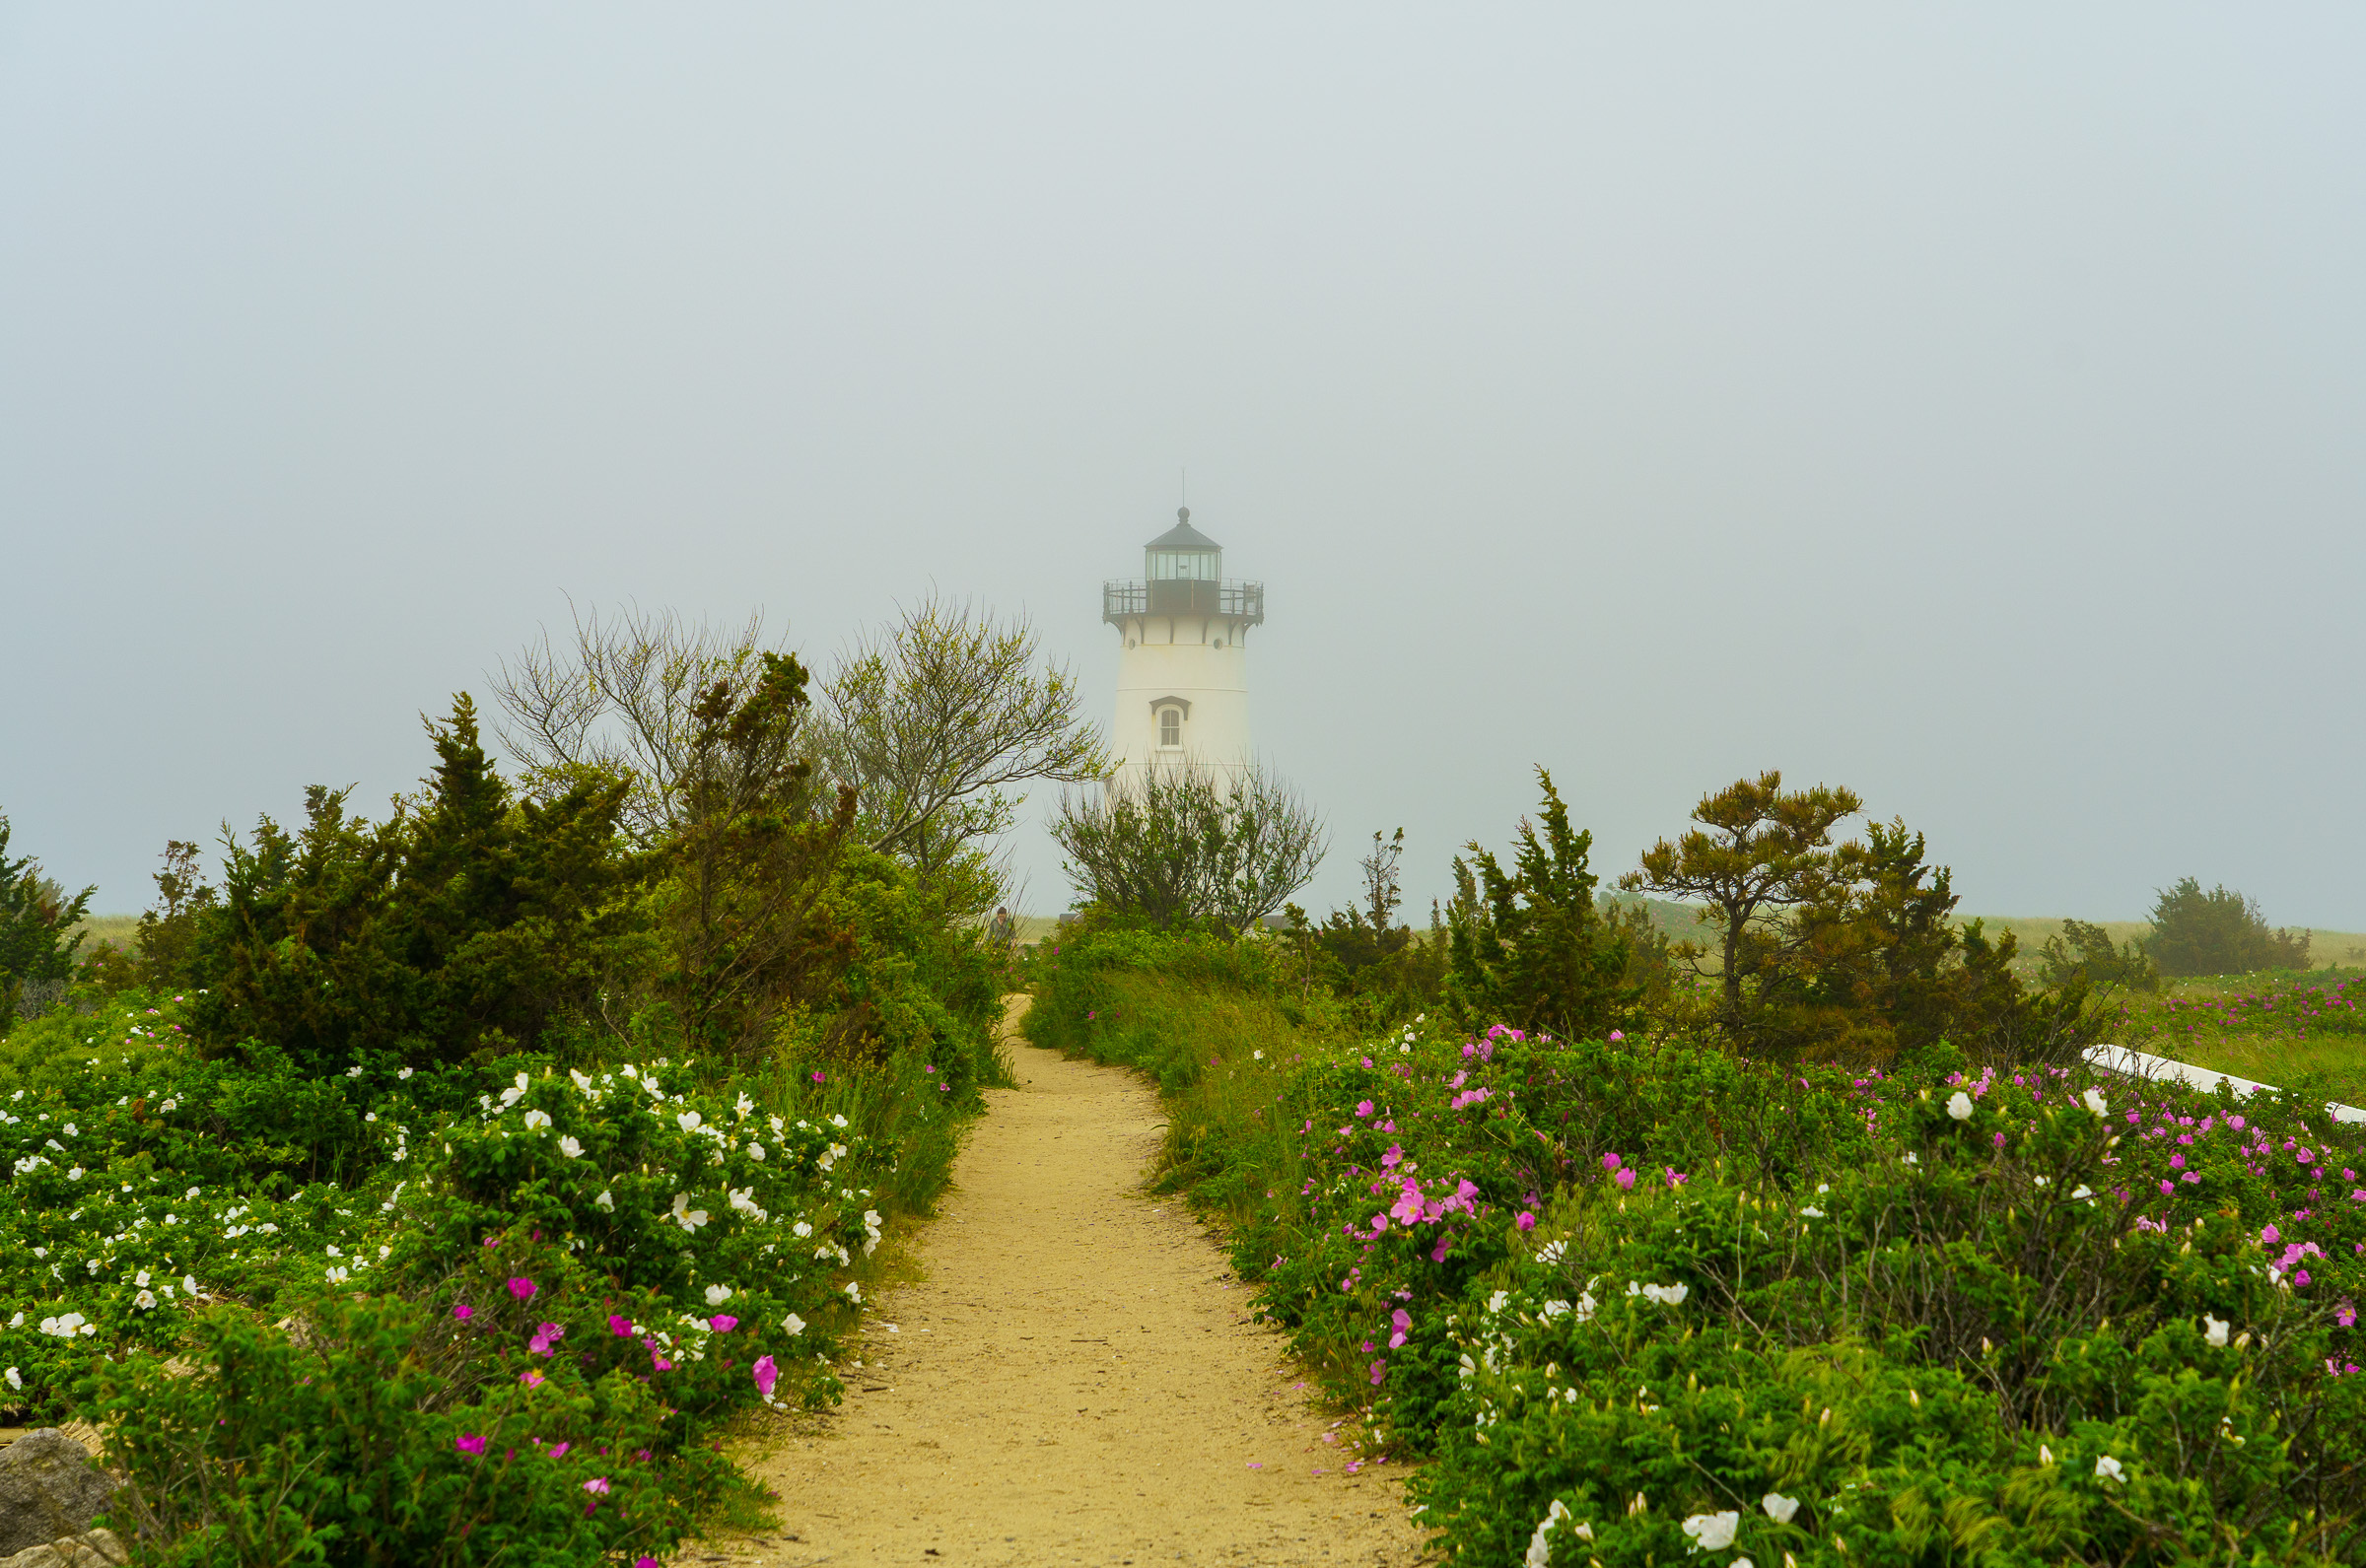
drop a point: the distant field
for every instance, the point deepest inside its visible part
(2268, 1028)
(2326, 949)
(113, 928)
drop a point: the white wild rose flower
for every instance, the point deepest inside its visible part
(1540, 1546)
(2108, 1468)
(2214, 1330)
(1715, 1532)
(1958, 1106)
(1779, 1507)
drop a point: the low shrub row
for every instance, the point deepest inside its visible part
(448, 1314)
(1641, 1301)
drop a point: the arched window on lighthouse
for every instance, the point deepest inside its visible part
(1170, 727)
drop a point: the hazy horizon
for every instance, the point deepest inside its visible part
(1959, 406)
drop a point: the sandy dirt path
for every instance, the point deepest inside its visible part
(1074, 1380)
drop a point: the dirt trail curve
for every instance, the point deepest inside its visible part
(1074, 1381)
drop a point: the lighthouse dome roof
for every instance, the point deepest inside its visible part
(1183, 536)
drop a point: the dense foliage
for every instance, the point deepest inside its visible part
(1638, 1298)
(38, 938)
(1186, 843)
(2218, 932)
(476, 1167)
(1531, 942)
(461, 927)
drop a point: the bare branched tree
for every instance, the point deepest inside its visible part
(934, 720)
(1191, 843)
(619, 699)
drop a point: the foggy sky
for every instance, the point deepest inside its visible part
(1961, 404)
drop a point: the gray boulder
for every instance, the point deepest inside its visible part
(98, 1548)
(49, 1489)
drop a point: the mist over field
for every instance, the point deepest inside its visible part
(1960, 407)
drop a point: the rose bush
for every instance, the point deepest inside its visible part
(585, 1264)
(1620, 1290)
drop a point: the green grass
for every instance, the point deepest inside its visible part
(2328, 949)
(115, 930)
(2273, 1028)
(1214, 1049)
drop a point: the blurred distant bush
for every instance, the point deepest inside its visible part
(2085, 953)
(37, 939)
(2218, 932)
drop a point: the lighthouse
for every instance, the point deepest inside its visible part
(1182, 663)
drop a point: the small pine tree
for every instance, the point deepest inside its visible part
(1529, 947)
(38, 938)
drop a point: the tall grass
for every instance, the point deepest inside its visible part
(1200, 1028)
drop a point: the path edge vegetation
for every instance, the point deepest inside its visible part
(448, 1187)
(1913, 1286)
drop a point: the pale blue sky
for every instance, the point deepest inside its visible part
(1964, 404)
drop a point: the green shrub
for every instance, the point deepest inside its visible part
(1646, 1284)
(362, 1442)
(472, 924)
(1531, 945)
(2218, 932)
(37, 920)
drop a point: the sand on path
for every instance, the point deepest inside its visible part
(1076, 1379)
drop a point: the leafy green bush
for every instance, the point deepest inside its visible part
(2086, 955)
(37, 920)
(653, 1246)
(1639, 1285)
(365, 1442)
(1531, 944)
(474, 923)
(2218, 932)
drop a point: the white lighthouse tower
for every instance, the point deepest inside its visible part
(1182, 671)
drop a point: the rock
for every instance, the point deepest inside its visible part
(98, 1549)
(49, 1489)
(104, 1544)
